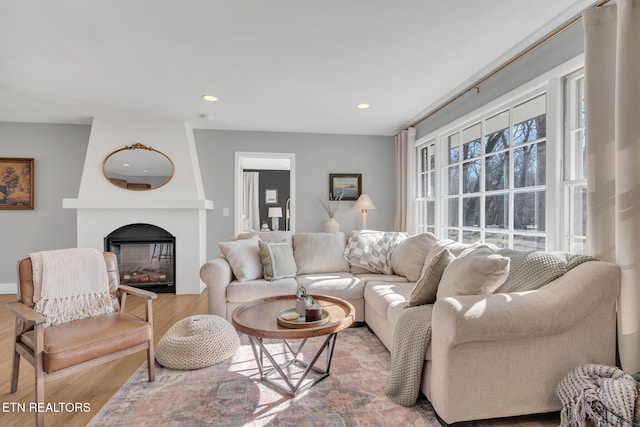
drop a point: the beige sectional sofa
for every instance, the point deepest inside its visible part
(494, 355)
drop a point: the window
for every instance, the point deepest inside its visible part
(496, 178)
(512, 173)
(575, 164)
(426, 200)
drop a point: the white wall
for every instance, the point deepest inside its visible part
(317, 156)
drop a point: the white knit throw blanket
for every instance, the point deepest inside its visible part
(411, 338)
(604, 394)
(70, 284)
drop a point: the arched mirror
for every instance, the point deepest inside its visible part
(138, 167)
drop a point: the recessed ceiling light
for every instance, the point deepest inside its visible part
(210, 98)
(363, 106)
(126, 165)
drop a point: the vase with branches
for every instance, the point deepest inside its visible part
(330, 205)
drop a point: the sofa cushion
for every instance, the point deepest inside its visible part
(341, 285)
(377, 277)
(456, 248)
(427, 286)
(277, 260)
(477, 271)
(407, 259)
(380, 295)
(268, 236)
(319, 252)
(246, 291)
(244, 258)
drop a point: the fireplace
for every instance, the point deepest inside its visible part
(146, 256)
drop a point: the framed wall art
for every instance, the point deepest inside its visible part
(347, 184)
(16, 183)
(271, 197)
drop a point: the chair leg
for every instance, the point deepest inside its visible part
(39, 394)
(39, 373)
(151, 366)
(15, 369)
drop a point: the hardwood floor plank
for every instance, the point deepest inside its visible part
(95, 387)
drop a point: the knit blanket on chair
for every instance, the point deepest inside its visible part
(604, 394)
(411, 338)
(70, 284)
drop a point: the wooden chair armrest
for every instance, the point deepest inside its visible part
(138, 292)
(25, 313)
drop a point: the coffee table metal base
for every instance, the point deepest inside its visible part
(286, 383)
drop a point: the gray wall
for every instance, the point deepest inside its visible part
(317, 156)
(58, 152)
(558, 50)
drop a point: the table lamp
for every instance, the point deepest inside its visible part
(274, 214)
(364, 203)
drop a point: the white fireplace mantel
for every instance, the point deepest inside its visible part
(136, 204)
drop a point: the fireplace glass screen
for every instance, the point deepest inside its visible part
(144, 260)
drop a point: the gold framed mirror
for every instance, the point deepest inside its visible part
(138, 167)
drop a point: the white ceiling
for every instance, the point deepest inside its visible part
(276, 65)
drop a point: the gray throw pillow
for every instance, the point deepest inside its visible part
(427, 286)
(277, 260)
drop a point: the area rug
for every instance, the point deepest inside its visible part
(232, 394)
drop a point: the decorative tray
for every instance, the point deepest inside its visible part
(300, 323)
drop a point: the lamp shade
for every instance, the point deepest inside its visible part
(275, 213)
(364, 202)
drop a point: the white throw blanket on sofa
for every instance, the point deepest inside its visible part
(603, 394)
(70, 284)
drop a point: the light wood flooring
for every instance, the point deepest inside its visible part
(96, 386)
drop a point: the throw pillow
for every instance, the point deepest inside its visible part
(244, 258)
(319, 252)
(372, 250)
(427, 286)
(407, 259)
(477, 271)
(277, 260)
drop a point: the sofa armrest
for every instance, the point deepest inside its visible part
(217, 275)
(552, 309)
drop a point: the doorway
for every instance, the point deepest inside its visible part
(253, 161)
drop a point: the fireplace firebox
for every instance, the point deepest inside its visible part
(146, 256)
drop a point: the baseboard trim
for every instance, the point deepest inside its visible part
(8, 288)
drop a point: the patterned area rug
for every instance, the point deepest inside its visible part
(231, 393)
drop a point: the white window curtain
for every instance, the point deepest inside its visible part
(251, 201)
(405, 181)
(612, 96)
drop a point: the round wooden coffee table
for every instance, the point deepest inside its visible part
(258, 320)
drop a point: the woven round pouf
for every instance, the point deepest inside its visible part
(197, 342)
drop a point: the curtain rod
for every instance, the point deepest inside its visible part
(476, 85)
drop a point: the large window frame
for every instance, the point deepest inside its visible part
(552, 230)
(574, 164)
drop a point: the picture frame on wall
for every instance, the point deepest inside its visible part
(271, 197)
(16, 183)
(347, 184)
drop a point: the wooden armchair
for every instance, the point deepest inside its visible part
(69, 347)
